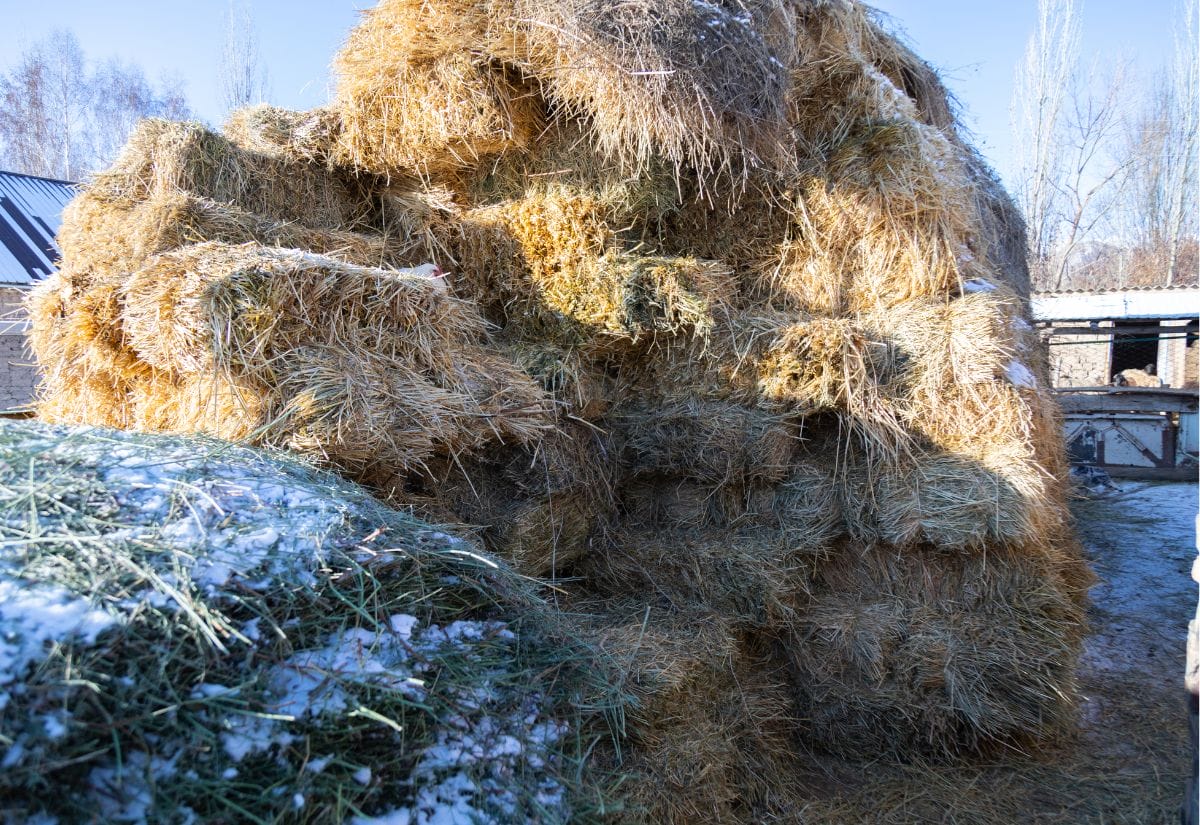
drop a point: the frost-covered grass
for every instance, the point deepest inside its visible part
(196, 632)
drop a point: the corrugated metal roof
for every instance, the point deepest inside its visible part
(1115, 305)
(30, 214)
(1130, 289)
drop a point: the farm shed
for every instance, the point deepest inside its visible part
(1124, 363)
(30, 213)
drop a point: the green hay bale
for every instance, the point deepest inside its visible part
(193, 630)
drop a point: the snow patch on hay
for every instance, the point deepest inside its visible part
(265, 629)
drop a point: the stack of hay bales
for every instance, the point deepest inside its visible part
(211, 286)
(733, 346)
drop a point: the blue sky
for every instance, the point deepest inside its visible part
(976, 45)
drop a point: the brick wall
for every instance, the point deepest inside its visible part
(18, 375)
(1080, 360)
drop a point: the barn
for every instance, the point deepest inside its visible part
(30, 213)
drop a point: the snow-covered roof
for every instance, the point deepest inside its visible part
(30, 214)
(1117, 304)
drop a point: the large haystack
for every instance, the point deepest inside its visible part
(732, 333)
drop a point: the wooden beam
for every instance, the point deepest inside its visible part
(1108, 332)
(1152, 473)
(1122, 403)
(1113, 389)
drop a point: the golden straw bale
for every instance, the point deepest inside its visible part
(415, 93)
(293, 136)
(94, 334)
(882, 224)
(87, 368)
(48, 304)
(554, 266)
(511, 406)
(213, 304)
(436, 85)
(219, 405)
(829, 364)
(707, 441)
(909, 73)
(113, 242)
(941, 652)
(359, 410)
(960, 342)
(94, 399)
(364, 368)
(1000, 241)
(944, 500)
(164, 157)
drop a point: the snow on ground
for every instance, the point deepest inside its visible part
(1141, 542)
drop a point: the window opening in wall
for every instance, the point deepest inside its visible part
(1134, 350)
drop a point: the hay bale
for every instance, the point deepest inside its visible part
(582, 392)
(672, 503)
(358, 367)
(539, 504)
(162, 157)
(805, 508)
(711, 732)
(667, 658)
(704, 86)
(937, 652)
(291, 136)
(242, 613)
(107, 241)
(550, 263)
(706, 441)
(415, 94)
(834, 365)
(443, 85)
(943, 500)
(217, 306)
(754, 580)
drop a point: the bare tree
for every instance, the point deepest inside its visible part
(60, 118)
(244, 77)
(43, 108)
(122, 96)
(1091, 180)
(1162, 144)
(1040, 102)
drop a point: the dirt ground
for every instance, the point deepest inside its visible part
(1128, 761)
